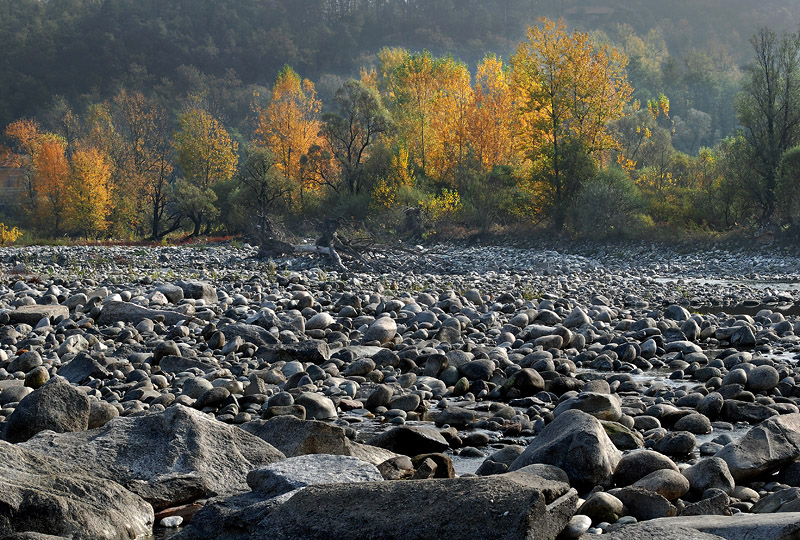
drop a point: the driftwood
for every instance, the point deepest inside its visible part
(269, 236)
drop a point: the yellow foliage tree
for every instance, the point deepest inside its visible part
(206, 155)
(450, 123)
(289, 127)
(89, 192)
(569, 89)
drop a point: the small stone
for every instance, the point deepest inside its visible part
(171, 522)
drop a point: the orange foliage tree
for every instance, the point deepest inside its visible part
(493, 126)
(43, 158)
(289, 127)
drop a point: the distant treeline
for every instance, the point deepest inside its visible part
(86, 50)
(137, 119)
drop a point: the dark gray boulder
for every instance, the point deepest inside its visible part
(156, 447)
(310, 470)
(411, 440)
(49, 496)
(509, 506)
(57, 406)
(766, 447)
(577, 443)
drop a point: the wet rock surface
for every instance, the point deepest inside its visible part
(652, 383)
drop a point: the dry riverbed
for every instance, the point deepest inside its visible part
(448, 391)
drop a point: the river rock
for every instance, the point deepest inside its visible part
(310, 470)
(762, 379)
(39, 493)
(782, 526)
(382, 330)
(668, 483)
(766, 447)
(56, 406)
(650, 530)
(118, 311)
(577, 443)
(602, 506)
(643, 504)
(32, 314)
(411, 440)
(637, 465)
(501, 507)
(601, 406)
(199, 290)
(178, 440)
(709, 473)
(318, 407)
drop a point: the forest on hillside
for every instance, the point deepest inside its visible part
(361, 108)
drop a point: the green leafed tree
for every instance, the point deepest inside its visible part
(769, 112)
(357, 121)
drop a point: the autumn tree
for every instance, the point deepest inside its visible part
(89, 192)
(289, 126)
(145, 156)
(415, 87)
(769, 112)
(569, 90)
(450, 123)
(206, 155)
(43, 158)
(357, 122)
(492, 122)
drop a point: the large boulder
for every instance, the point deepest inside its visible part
(780, 526)
(44, 495)
(577, 443)
(411, 440)
(650, 530)
(766, 447)
(56, 406)
(199, 290)
(158, 447)
(509, 506)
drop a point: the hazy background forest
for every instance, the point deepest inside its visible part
(142, 118)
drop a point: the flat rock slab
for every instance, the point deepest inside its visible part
(116, 311)
(49, 496)
(157, 446)
(310, 470)
(501, 507)
(35, 313)
(649, 530)
(780, 526)
(313, 350)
